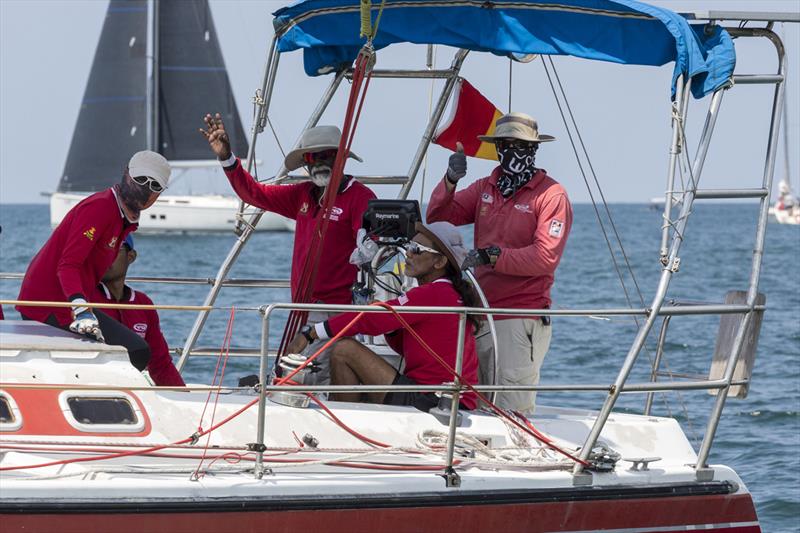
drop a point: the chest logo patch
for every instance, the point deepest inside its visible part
(556, 227)
(304, 208)
(336, 212)
(525, 208)
(112, 242)
(89, 233)
(140, 328)
(487, 198)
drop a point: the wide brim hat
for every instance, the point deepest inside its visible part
(517, 126)
(317, 139)
(447, 239)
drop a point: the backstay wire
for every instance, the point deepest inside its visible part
(608, 213)
(431, 62)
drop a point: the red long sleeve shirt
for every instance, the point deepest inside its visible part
(75, 257)
(336, 275)
(530, 227)
(439, 331)
(145, 323)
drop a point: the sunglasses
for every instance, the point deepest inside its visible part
(505, 144)
(325, 155)
(417, 248)
(150, 182)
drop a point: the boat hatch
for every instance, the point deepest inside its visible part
(10, 417)
(107, 411)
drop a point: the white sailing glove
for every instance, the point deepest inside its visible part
(365, 250)
(84, 321)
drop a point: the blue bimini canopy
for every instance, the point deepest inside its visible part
(621, 31)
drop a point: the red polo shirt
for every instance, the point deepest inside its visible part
(439, 331)
(145, 323)
(336, 275)
(530, 227)
(75, 257)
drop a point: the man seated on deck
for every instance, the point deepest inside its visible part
(301, 202)
(144, 322)
(434, 258)
(522, 219)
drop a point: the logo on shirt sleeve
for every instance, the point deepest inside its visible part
(487, 198)
(403, 300)
(556, 227)
(112, 242)
(89, 233)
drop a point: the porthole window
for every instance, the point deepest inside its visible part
(10, 417)
(101, 411)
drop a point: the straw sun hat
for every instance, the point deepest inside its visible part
(317, 139)
(517, 126)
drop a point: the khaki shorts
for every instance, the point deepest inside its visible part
(522, 344)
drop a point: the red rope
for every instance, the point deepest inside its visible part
(226, 350)
(305, 287)
(531, 431)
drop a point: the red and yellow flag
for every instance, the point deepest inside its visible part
(472, 115)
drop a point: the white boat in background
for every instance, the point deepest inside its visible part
(171, 214)
(140, 96)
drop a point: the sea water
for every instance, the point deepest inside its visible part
(759, 436)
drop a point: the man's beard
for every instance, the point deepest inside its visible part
(321, 175)
(133, 196)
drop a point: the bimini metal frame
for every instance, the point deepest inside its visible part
(245, 228)
(673, 234)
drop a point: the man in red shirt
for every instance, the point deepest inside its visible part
(434, 258)
(143, 322)
(522, 219)
(301, 202)
(76, 256)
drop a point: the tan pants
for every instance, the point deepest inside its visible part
(522, 344)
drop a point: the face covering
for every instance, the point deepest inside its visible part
(320, 174)
(518, 168)
(133, 196)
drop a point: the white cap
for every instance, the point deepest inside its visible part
(150, 164)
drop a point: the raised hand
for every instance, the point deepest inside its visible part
(216, 136)
(457, 165)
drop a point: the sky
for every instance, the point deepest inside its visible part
(47, 47)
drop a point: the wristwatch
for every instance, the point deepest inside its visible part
(306, 332)
(494, 253)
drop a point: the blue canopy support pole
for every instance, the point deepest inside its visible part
(433, 123)
(658, 300)
(703, 472)
(679, 110)
(249, 228)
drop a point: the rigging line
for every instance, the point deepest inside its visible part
(430, 63)
(510, 69)
(277, 141)
(596, 181)
(589, 189)
(596, 210)
(226, 350)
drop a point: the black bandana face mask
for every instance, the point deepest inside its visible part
(518, 167)
(133, 195)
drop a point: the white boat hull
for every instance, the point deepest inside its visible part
(208, 213)
(786, 216)
(60, 472)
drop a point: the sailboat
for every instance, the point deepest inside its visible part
(786, 209)
(157, 68)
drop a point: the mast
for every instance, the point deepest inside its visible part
(153, 141)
